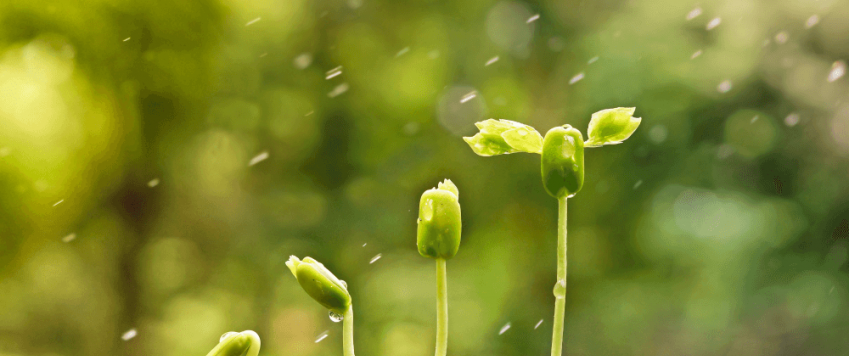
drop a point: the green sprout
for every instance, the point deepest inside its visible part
(562, 169)
(330, 292)
(245, 343)
(438, 237)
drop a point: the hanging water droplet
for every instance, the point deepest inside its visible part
(226, 335)
(560, 289)
(344, 284)
(335, 317)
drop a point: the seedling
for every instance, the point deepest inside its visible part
(438, 237)
(245, 343)
(562, 169)
(328, 291)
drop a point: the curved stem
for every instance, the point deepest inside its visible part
(560, 286)
(441, 308)
(348, 332)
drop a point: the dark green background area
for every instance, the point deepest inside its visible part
(719, 228)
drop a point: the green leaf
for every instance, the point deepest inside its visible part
(498, 137)
(611, 126)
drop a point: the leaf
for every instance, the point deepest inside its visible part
(611, 127)
(497, 137)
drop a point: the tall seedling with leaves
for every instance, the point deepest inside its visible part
(562, 169)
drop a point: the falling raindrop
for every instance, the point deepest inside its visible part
(322, 336)
(576, 78)
(838, 69)
(713, 23)
(504, 329)
(129, 334)
(258, 158)
(251, 22)
(694, 13)
(724, 151)
(782, 37)
(70, 237)
(724, 86)
(658, 133)
(592, 60)
(538, 324)
(335, 317)
(491, 61)
(333, 72)
(555, 44)
(226, 335)
(638, 184)
(754, 118)
(468, 97)
(433, 54)
(696, 54)
(375, 258)
(126, 39)
(411, 128)
(792, 119)
(402, 52)
(338, 90)
(58, 202)
(303, 60)
(153, 182)
(812, 21)
(532, 18)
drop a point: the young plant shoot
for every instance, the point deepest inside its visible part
(245, 343)
(562, 168)
(328, 291)
(438, 237)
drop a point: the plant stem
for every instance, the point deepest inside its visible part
(348, 332)
(560, 286)
(441, 308)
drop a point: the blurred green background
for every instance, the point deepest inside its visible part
(128, 200)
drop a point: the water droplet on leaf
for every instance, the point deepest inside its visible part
(560, 289)
(335, 317)
(226, 335)
(427, 210)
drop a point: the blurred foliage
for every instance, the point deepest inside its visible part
(128, 201)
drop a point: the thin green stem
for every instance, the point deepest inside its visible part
(348, 332)
(560, 286)
(441, 308)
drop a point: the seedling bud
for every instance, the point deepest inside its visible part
(563, 161)
(439, 221)
(320, 284)
(245, 343)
